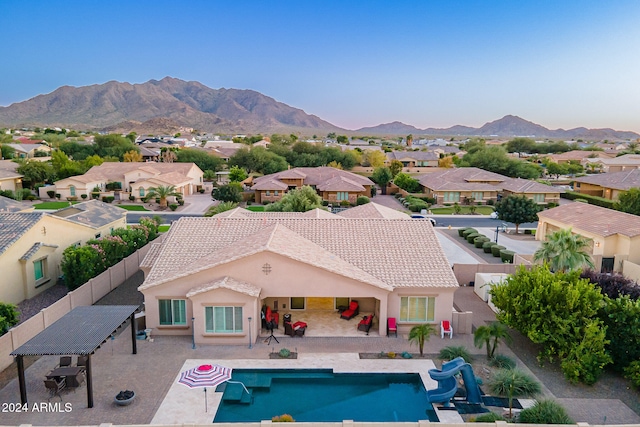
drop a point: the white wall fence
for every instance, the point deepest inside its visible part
(86, 294)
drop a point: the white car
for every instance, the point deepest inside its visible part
(420, 216)
(493, 215)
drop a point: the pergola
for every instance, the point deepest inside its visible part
(80, 332)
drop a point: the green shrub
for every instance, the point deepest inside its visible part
(451, 352)
(58, 196)
(503, 362)
(173, 206)
(84, 196)
(362, 200)
(486, 246)
(495, 250)
(132, 197)
(461, 230)
(108, 199)
(181, 202)
(472, 236)
(468, 231)
(490, 202)
(593, 200)
(480, 240)
(545, 412)
(9, 317)
(632, 373)
(507, 256)
(51, 194)
(325, 203)
(284, 353)
(489, 417)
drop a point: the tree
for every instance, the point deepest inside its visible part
(445, 162)
(342, 139)
(409, 140)
(420, 334)
(490, 335)
(373, 158)
(259, 160)
(395, 167)
(220, 207)
(162, 192)
(407, 183)
(564, 251)
(63, 167)
(231, 192)
(35, 172)
(113, 145)
(517, 209)
(6, 152)
(202, 159)
(382, 177)
(629, 201)
(132, 156)
(556, 169)
(9, 317)
(521, 145)
(513, 383)
(237, 174)
(168, 155)
(300, 199)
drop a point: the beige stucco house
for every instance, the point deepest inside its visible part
(31, 244)
(414, 159)
(30, 151)
(614, 235)
(333, 185)
(616, 164)
(221, 271)
(133, 178)
(608, 185)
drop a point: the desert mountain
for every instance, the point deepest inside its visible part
(508, 126)
(189, 104)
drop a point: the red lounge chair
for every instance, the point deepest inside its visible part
(272, 319)
(352, 311)
(446, 328)
(392, 327)
(365, 324)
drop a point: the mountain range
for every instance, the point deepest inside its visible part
(162, 106)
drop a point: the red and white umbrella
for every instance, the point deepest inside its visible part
(205, 376)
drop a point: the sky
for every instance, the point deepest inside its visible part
(561, 64)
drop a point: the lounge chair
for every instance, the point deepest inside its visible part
(446, 328)
(392, 327)
(352, 311)
(365, 324)
(272, 319)
(296, 329)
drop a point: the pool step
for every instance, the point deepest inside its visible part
(251, 380)
(235, 392)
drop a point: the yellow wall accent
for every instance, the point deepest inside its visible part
(320, 303)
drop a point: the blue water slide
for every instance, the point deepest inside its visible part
(447, 384)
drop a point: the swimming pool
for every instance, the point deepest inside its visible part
(321, 395)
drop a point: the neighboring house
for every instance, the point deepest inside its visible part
(28, 151)
(10, 205)
(614, 235)
(608, 185)
(578, 156)
(216, 274)
(333, 185)
(10, 180)
(132, 178)
(616, 164)
(150, 154)
(413, 159)
(474, 185)
(31, 244)
(224, 152)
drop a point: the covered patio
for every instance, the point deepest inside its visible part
(80, 332)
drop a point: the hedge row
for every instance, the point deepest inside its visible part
(592, 200)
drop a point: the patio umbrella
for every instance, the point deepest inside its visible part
(205, 376)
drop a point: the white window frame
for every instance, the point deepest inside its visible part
(210, 326)
(429, 312)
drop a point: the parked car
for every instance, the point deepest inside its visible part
(493, 215)
(420, 216)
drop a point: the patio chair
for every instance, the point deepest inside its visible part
(54, 387)
(446, 328)
(82, 361)
(352, 311)
(365, 324)
(392, 327)
(64, 361)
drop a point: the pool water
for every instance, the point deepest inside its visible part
(323, 396)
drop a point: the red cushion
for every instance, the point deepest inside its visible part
(299, 325)
(445, 325)
(267, 315)
(353, 305)
(391, 321)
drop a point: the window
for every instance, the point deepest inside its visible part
(40, 269)
(275, 193)
(477, 196)
(141, 191)
(173, 311)
(417, 309)
(342, 195)
(267, 193)
(223, 320)
(341, 302)
(72, 190)
(297, 303)
(538, 198)
(451, 196)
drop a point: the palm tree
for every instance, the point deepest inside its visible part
(162, 192)
(420, 334)
(513, 383)
(564, 251)
(484, 335)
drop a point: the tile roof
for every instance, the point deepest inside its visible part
(245, 213)
(171, 178)
(519, 185)
(414, 155)
(93, 213)
(269, 184)
(627, 159)
(316, 176)
(372, 250)
(340, 183)
(618, 180)
(594, 219)
(8, 165)
(14, 225)
(226, 283)
(372, 210)
(10, 205)
(152, 255)
(578, 155)
(112, 170)
(25, 148)
(32, 251)
(6, 174)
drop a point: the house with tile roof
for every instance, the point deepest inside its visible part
(10, 205)
(333, 185)
(32, 243)
(10, 180)
(614, 235)
(616, 164)
(28, 151)
(578, 156)
(222, 270)
(608, 185)
(475, 185)
(413, 159)
(132, 178)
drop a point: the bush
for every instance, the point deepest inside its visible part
(489, 417)
(344, 203)
(461, 230)
(9, 317)
(362, 200)
(480, 241)
(173, 206)
(468, 231)
(95, 196)
(284, 353)
(284, 418)
(593, 200)
(451, 352)
(51, 194)
(84, 196)
(545, 412)
(503, 362)
(490, 202)
(181, 202)
(325, 203)
(507, 256)
(495, 250)
(108, 199)
(58, 195)
(632, 373)
(486, 246)
(472, 236)
(201, 190)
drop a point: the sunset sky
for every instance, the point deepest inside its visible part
(561, 64)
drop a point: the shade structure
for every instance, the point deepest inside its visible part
(205, 376)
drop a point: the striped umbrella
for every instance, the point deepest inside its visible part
(205, 376)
